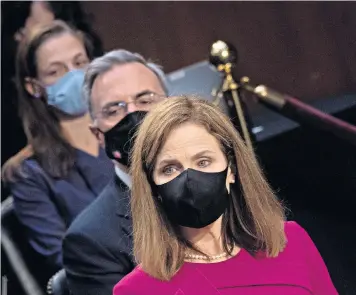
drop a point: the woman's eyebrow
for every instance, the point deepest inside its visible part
(169, 159)
(202, 153)
(164, 162)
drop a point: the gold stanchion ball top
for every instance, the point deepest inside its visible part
(222, 53)
(245, 80)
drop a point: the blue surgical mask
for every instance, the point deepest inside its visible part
(66, 94)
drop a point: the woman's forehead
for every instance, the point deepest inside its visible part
(188, 139)
(61, 48)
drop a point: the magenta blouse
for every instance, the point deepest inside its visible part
(298, 270)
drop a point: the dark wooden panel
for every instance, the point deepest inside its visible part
(304, 48)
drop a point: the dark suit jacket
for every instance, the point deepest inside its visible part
(98, 245)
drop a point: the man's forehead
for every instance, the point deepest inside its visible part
(124, 80)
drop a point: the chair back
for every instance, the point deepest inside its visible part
(14, 255)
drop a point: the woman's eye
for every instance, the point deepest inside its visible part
(81, 63)
(53, 73)
(56, 72)
(168, 170)
(203, 163)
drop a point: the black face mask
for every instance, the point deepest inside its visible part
(119, 139)
(195, 199)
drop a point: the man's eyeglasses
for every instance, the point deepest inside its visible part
(117, 110)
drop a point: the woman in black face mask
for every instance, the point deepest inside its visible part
(205, 221)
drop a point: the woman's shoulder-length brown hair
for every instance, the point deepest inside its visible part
(254, 219)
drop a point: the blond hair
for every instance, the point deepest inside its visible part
(254, 218)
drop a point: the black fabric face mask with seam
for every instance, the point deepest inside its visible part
(119, 139)
(194, 198)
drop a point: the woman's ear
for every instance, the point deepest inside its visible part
(230, 179)
(230, 176)
(32, 87)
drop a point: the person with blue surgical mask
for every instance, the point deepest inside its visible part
(65, 168)
(65, 94)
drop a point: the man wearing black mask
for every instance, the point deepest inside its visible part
(121, 87)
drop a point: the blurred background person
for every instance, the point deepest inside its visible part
(18, 19)
(205, 220)
(36, 13)
(68, 169)
(120, 87)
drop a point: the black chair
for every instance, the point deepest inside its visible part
(17, 273)
(57, 285)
